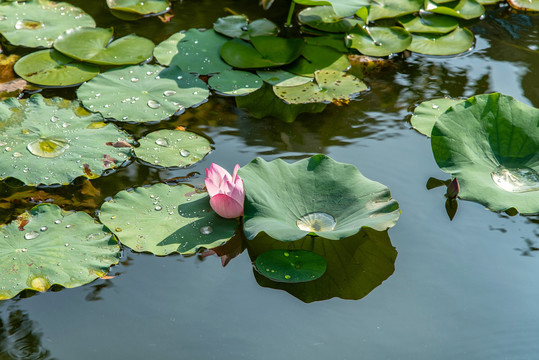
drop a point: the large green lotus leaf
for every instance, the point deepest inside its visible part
(139, 7)
(290, 266)
(464, 9)
(54, 247)
(38, 23)
(235, 83)
(263, 103)
(381, 9)
(379, 41)
(142, 93)
(170, 148)
(282, 78)
(198, 52)
(456, 42)
(356, 265)
(316, 57)
(526, 5)
(427, 113)
(317, 196)
(164, 219)
(54, 141)
(237, 26)
(342, 7)
(266, 51)
(324, 18)
(94, 45)
(330, 86)
(429, 23)
(52, 68)
(490, 143)
(167, 49)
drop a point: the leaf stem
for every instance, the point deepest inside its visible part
(290, 13)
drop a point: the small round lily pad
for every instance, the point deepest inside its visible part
(163, 219)
(237, 26)
(463, 9)
(526, 5)
(49, 246)
(378, 40)
(170, 148)
(324, 18)
(341, 7)
(95, 45)
(139, 7)
(427, 113)
(290, 266)
(235, 83)
(382, 9)
(455, 42)
(265, 51)
(429, 23)
(52, 68)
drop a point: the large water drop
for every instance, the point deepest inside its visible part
(31, 235)
(522, 179)
(316, 222)
(47, 147)
(28, 24)
(153, 104)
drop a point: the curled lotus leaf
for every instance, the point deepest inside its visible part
(54, 141)
(429, 23)
(235, 83)
(341, 7)
(95, 45)
(290, 266)
(457, 41)
(490, 143)
(463, 9)
(378, 40)
(265, 51)
(427, 113)
(142, 93)
(163, 219)
(172, 148)
(145, 7)
(324, 18)
(329, 86)
(37, 23)
(314, 196)
(382, 9)
(237, 26)
(55, 247)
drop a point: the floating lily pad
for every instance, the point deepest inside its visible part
(38, 23)
(290, 266)
(429, 23)
(456, 42)
(381, 9)
(237, 26)
(139, 7)
(315, 58)
(170, 148)
(265, 51)
(54, 247)
(463, 9)
(526, 5)
(317, 196)
(379, 41)
(263, 103)
(282, 78)
(342, 7)
(194, 51)
(490, 143)
(330, 86)
(427, 113)
(94, 45)
(52, 68)
(142, 93)
(164, 219)
(54, 141)
(335, 41)
(235, 83)
(324, 18)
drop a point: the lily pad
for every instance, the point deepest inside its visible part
(55, 247)
(427, 113)
(324, 18)
(455, 42)
(335, 41)
(142, 93)
(379, 41)
(196, 52)
(52, 68)
(316, 57)
(38, 23)
(317, 196)
(139, 7)
(282, 78)
(235, 83)
(429, 23)
(237, 26)
(263, 103)
(382, 9)
(526, 5)
(94, 45)
(463, 9)
(265, 51)
(164, 219)
(342, 7)
(290, 266)
(165, 51)
(330, 86)
(170, 148)
(490, 143)
(54, 141)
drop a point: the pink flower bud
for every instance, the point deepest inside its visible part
(226, 192)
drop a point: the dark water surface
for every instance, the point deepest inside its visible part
(466, 289)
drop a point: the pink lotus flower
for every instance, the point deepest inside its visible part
(226, 192)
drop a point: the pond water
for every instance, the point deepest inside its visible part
(461, 289)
